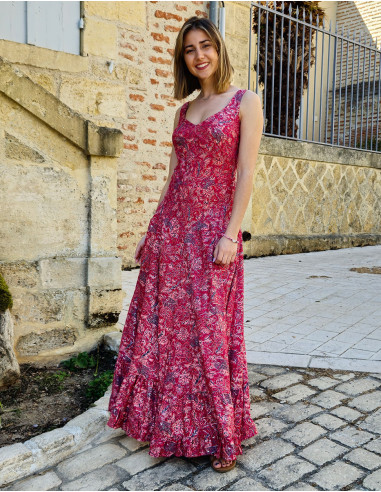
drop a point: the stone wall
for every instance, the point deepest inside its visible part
(311, 197)
(58, 221)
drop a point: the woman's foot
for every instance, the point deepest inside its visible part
(222, 465)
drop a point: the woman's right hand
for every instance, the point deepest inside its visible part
(139, 248)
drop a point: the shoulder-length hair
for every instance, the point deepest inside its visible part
(185, 83)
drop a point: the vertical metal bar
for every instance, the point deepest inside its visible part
(316, 59)
(333, 85)
(308, 74)
(265, 84)
(295, 65)
(258, 49)
(288, 67)
(363, 93)
(373, 94)
(367, 99)
(358, 88)
(327, 92)
(321, 80)
(351, 104)
(346, 89)
(378, 142)
(273, 71)
(250, 41)
(340, 85)
(280, 68)
(300, 132)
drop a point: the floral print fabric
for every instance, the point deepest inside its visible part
(181, 379)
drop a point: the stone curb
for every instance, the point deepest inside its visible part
(20, 460)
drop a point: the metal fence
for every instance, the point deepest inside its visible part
(316, 85)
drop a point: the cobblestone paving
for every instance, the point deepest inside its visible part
(318, 429)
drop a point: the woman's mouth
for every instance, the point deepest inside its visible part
(202, 66)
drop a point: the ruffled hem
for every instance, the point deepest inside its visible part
(138, 396)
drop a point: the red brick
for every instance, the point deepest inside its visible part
(162, 73)
(127, 234)
(122, 247)
(200, 13)
(159, 49)
(154, 81)
(181, 7)
(149, 141)
(130, 146)
(129, 137)
(125, 55)
(171, 51)
(150, 177)
(151, 118)
(158, 36)
(143, 163)
(166, 144)
(158, 107)
(139, 200)
(159, 165)
(167, 15)
(143, 188)
(152, 200)
(152, 131)
(159, 59)
(136, 37)
(136, 97)
(172, 28)
(129, 46)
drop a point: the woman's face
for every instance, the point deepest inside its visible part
(200, 56)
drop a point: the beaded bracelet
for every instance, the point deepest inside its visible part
(231, 239)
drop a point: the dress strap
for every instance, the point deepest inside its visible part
(183, 111)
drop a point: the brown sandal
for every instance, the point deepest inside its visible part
(222, 469)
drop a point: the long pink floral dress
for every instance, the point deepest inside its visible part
(181, 379)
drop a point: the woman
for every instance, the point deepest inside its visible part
(181, 378)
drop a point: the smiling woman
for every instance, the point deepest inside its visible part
(181, 379)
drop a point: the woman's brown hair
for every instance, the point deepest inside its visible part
(186, 83)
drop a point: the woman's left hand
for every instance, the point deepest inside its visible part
(225, 251)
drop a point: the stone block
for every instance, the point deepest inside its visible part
(151, 479)
(264, 453)
(104, 307)
(105, 273)
(34, 343)
(336, 476)
(297, 412)
(59, 273)
(138, 462)
(132, 444)
(51, 443)
(328, 399)
(373, 481)
(282, 381)
(9, 366)
(210, 480)
(90, 460)
(364, 458)
(329, 421)
(367, 402)
(100, 479)
(302, 434)
(322, 451)
(346, 413)
(294, 393)
(354, 388)
(352, 437)
(87, 425)
(20, 274)
(247, 483)
(15, 462)
(45, 481)
(285, 471)
(372, 423)
(112, 340)
(101, 38)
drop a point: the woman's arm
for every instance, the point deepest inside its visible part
(250, 137)
(172, 161)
